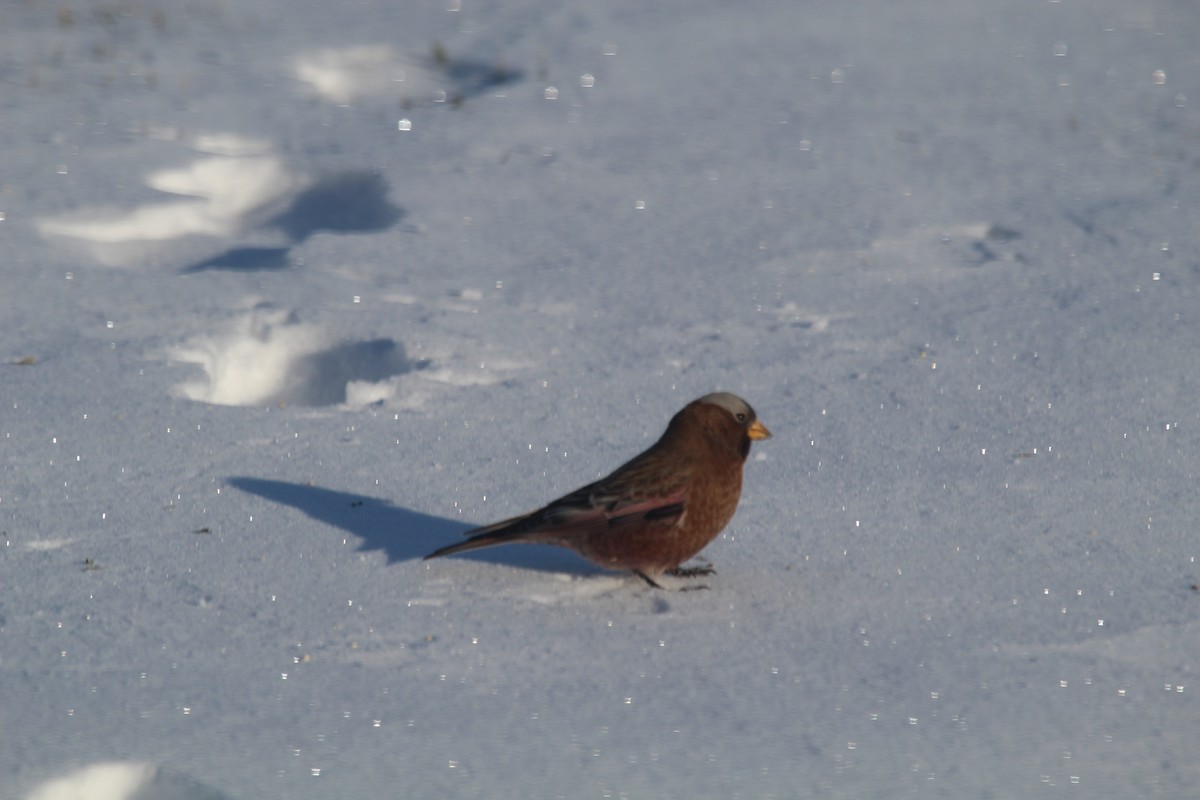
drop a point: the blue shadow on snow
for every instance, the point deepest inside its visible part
(400, 533)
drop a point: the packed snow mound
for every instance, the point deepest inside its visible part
(123, 780)
(270, 357)
(344, 75)
(230, 194)
(244, 210)
(226, 197)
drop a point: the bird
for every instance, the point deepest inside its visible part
(655, 511)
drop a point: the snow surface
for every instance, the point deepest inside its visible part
(293, 293)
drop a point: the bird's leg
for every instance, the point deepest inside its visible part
(646, 578)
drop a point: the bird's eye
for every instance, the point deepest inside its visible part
(740, 417)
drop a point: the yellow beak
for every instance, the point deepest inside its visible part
(758, 431)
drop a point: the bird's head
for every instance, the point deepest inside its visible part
(729, 419)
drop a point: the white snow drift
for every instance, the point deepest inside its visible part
(229, 195)
(342, 75)
(122, 780)
(268, 356)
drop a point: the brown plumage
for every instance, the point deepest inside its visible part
(655, 511)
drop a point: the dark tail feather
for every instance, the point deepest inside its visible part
(489, 536)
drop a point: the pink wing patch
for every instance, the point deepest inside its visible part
(666, 510)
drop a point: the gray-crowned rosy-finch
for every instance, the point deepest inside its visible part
(655, 511)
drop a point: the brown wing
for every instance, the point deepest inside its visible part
(627, 496)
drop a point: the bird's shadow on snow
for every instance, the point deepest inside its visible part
(400, 533)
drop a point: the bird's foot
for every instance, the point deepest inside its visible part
(681, 572)
(693, 572)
